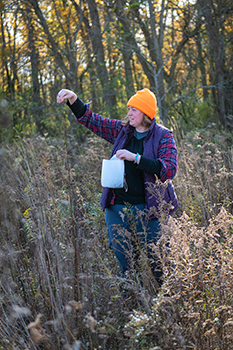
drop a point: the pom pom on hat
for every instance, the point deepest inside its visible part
(145, 101)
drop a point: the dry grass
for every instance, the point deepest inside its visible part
(59, 280)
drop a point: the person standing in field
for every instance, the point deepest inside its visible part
(150, 155)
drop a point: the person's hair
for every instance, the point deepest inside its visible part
(145, 122)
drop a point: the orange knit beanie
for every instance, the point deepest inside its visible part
(145, 101)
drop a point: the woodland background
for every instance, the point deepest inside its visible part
(59, 280)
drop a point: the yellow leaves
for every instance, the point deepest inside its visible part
(26, 213)
(27, 189)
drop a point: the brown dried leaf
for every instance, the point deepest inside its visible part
(102, 330)
(210, 332)
(90, 322)
(77, 305)
(37, 333)
(194, 315)
(221, 309)
(36, 323)
(207, 323)
(228, 324)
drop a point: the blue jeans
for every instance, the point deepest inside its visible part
(130, 233)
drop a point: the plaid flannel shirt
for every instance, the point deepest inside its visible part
(109, 129)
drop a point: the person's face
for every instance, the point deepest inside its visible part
(135, 117)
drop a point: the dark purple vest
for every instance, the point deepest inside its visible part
(162, 201)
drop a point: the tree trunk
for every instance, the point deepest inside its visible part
(94, 32)
(96, 39)
(132, 42)
(217, 52)
(127, 56)
(10, 86)
(37, 111)
(202, 67)
(158, 73)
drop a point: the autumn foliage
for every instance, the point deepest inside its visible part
(60, 284)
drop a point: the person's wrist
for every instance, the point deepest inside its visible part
(78, 107)
(136, 158)
(73, 99)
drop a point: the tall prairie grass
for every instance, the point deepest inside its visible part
(60, 281)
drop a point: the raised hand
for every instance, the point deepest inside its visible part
(66, 94)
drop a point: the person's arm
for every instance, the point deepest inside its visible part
(73, 101)
(167, 157)
(167, 154)
(77, 107)
(106, 128)
(148, 165)
(165, 166)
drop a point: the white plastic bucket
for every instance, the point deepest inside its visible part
(112, 174)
